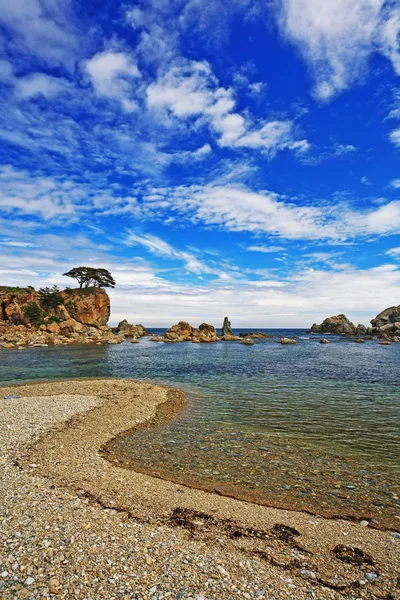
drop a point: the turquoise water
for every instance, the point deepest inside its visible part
(264, 420)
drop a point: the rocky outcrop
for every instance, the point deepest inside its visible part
(184, 332)
(288, 341)
(134, 331)
(387, 323)
(205, 334)
(80, 316)
(361, 330)
(338, 324)
(226, 327)
(89, 306)
(230, 338)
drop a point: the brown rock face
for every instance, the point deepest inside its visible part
(205, 334)
(26, 321)
(11, 302)
(337, 324)
(88, 307)
(182, 332)
(133, 331)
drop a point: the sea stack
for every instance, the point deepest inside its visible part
(226, 327)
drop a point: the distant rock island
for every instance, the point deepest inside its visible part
(385, 325)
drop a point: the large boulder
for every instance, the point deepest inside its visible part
(129, 330)
(226, 327)
(387, 322)
(338, 324)
(361, 330)
(182, 332)
(205, 334)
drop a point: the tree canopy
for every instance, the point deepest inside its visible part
(91, 277)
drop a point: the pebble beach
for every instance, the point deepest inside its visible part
(75, 524)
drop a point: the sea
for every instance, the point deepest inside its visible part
(313, 427)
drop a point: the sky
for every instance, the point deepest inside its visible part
(219, 157)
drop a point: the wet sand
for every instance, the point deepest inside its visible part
(289, 553)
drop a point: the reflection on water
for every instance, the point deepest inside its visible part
(312, 425)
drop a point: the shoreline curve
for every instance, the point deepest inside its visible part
(70, 456)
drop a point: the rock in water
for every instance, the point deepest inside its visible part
(247, 342)
(338, 324)
(129, 330)
(361, 330)
(285, 340)
(226, 327)
(324, 341)
(387, 322)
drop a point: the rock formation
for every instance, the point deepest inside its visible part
(247, 342)
(80, 316)
(226, 327)
(184, 332)
(128, 330)
(387, 323)
(339, 324)
(205, 334)
(288, 341)
(361, 330)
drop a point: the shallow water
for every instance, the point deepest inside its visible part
(309, 426)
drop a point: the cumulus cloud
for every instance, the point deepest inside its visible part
(113, 75)
(336, 38)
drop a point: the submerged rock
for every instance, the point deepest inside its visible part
(247, 342)
(324, 341)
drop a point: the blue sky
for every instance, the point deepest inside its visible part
(235, 157)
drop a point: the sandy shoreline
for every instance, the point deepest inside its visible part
(239, 544)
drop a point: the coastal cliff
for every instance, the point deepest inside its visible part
(29, 317)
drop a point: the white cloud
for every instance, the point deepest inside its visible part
(336, 38)
(394, 252)
(265, 249)
(389, 37)
(113, 75)
(39, 84)
(6, 71)
(395, 183)
(364, 180)
(159, 247)
(192, 92)
(394, 137)
(43, 27)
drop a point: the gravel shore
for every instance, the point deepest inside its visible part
(75, 525)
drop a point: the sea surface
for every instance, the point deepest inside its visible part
(312, 427)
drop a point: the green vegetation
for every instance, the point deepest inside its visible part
(33, 313)
(50, 297)
(90, 277)
(54, 319)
